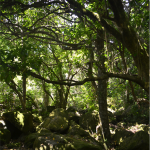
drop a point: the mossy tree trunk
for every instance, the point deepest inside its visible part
(102, 87)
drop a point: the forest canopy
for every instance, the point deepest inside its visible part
(75, 51)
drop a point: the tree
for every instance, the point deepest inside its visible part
(74, 25)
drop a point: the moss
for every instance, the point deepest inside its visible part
(22, 121)
(64, 142)
(139, 141)
(59, 112)
(28, 123)
(5, 136)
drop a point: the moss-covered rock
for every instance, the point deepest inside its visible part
(139, 141)
(58, 124)
(55, 124)
(59, 112)
(53, 141)
(37, 118)
(31, 138)
(89, 121)
(75, 129)
(5, 136)
(22, 121)
(121, 135)
(28, 123)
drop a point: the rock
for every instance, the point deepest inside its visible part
(15, 132)
(37, 118)
(89, 121)
(43, 124)
(75, 129)
(31, 138)
(28, 123)
(73, 114)
(50, 141)
(121, 135)
(59, 112)
(5, 136)
(75, 119)
(18, 123)
(43, 130)
(56, 122)
(139, 141)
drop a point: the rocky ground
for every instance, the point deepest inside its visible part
(76, 129)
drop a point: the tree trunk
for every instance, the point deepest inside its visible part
(126, 34)
(12, 85)
(24, 90)
(102, 88)
(45, 96)
(63, 96)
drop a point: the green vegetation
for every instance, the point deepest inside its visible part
(89, 54)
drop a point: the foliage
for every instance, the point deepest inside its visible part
(51, 43)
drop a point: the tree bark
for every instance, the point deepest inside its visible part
(24, 90)
(12, 85)
(102, 88)
(127, 36)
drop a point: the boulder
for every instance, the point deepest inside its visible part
(75, 129)
(139, 141)
(75, 119)
(31, 138)
(5, 136)
(73, 114)
(89, 121)
(121, 135)
(59, 112)
(37, 118)
(72, 136)
(18, 123)
(50, 141)
(56, 122)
